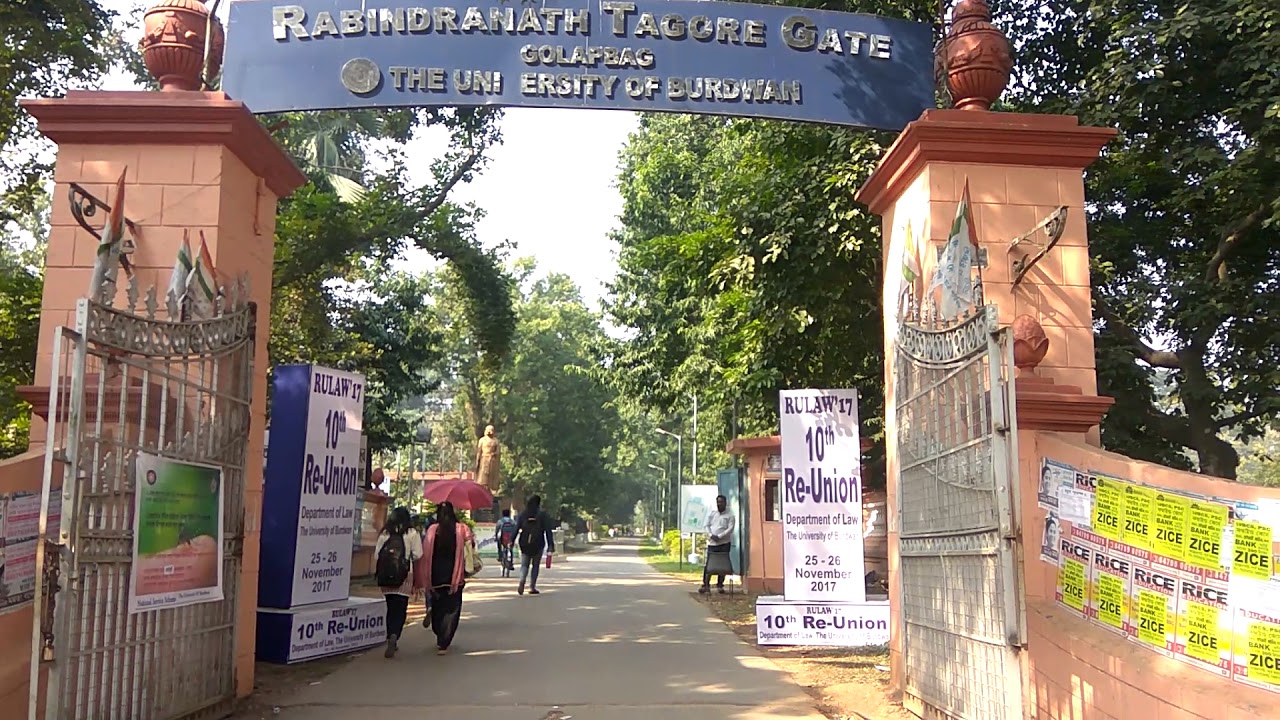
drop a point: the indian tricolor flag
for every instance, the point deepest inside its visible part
(953, 278)
(202, 284)
(911, 271)
(182, 267)
(104, 265)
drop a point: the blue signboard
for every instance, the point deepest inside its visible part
(312, 485)
(689, 56)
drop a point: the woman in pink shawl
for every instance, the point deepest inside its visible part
(446, 572)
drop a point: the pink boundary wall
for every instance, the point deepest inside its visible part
(1080, 671)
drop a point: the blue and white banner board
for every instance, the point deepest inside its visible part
(316, 631)
(782, 622)
(723, 58)
(312, 485)
(821, 497)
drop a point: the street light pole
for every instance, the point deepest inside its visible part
(695, 437)
(662, 520)
(679, 461)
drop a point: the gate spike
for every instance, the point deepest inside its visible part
(131, 293)
(151, 303)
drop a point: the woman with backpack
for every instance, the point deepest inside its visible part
(451, 557)
(398, 547)
(534, 538)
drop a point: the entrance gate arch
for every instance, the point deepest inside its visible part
(962, 621)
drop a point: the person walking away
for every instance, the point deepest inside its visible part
(505, 534)
(719, 527)
(449, 544)
(398, 546)
(534, 539)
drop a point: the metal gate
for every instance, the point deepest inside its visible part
(962, 620)
(125, 383)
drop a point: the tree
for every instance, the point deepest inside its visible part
(46, 48)
(560, 426)
(1185, 211)
(746, 267)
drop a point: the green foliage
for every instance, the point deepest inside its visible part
(745, 267)
(671, 542)
(21, 284)
(1185, 210)
(47, 47)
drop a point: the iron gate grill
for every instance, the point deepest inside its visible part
(126, 383)
(962, 605)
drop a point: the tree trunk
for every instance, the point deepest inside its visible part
(1199, 398)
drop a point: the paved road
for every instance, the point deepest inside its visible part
(609, 638)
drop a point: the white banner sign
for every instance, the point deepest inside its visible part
(779, 622)
(330, 485)
(327, 630)
(696, 503)
(821, 496)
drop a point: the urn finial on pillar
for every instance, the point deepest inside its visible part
(173, 44)
(975, 57)
(1030, 344)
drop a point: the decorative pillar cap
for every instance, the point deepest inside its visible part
(136, 117)
(986, 138)
(974, 58)
(173, 44)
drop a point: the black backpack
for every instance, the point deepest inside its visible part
(393, 562)
(532, 533)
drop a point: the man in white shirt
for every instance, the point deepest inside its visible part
(719, 527)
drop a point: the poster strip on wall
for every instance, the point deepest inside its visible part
(1186, 576)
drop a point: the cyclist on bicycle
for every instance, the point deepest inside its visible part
(505, 534)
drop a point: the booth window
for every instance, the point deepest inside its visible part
(772, 501)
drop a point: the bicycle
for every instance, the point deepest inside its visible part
(506, 558)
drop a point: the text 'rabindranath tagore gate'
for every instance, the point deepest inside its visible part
(668, 55)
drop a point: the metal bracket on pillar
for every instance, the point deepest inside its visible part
(85, 205)
(1053, 226)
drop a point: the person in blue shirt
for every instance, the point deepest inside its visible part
(534, 538)
(505, 534)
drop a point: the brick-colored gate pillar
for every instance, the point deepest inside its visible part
(195, 162)
(1019, 169)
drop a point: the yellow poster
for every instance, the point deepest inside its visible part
(1111, 598)
(1153, 618)
(1071, 584)
(1108, 507)
(1251, 552)
(1170, 519)
(1205, 524)
(1264, 652)
(1201, 632)
(1139, 509)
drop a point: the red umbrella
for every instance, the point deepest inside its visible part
(464, 494)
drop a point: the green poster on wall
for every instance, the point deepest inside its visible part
(177, 534)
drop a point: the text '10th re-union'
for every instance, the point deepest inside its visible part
(565, 70)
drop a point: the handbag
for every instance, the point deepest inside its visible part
(471, 558)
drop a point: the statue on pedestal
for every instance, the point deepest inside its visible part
(488, 457)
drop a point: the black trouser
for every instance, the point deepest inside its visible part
(706, 572)
(397, 610)
(446, 612)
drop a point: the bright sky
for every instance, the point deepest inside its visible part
(550, 188)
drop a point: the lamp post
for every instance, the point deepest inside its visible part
(695, 437)
(679, 485)
(662, 519)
